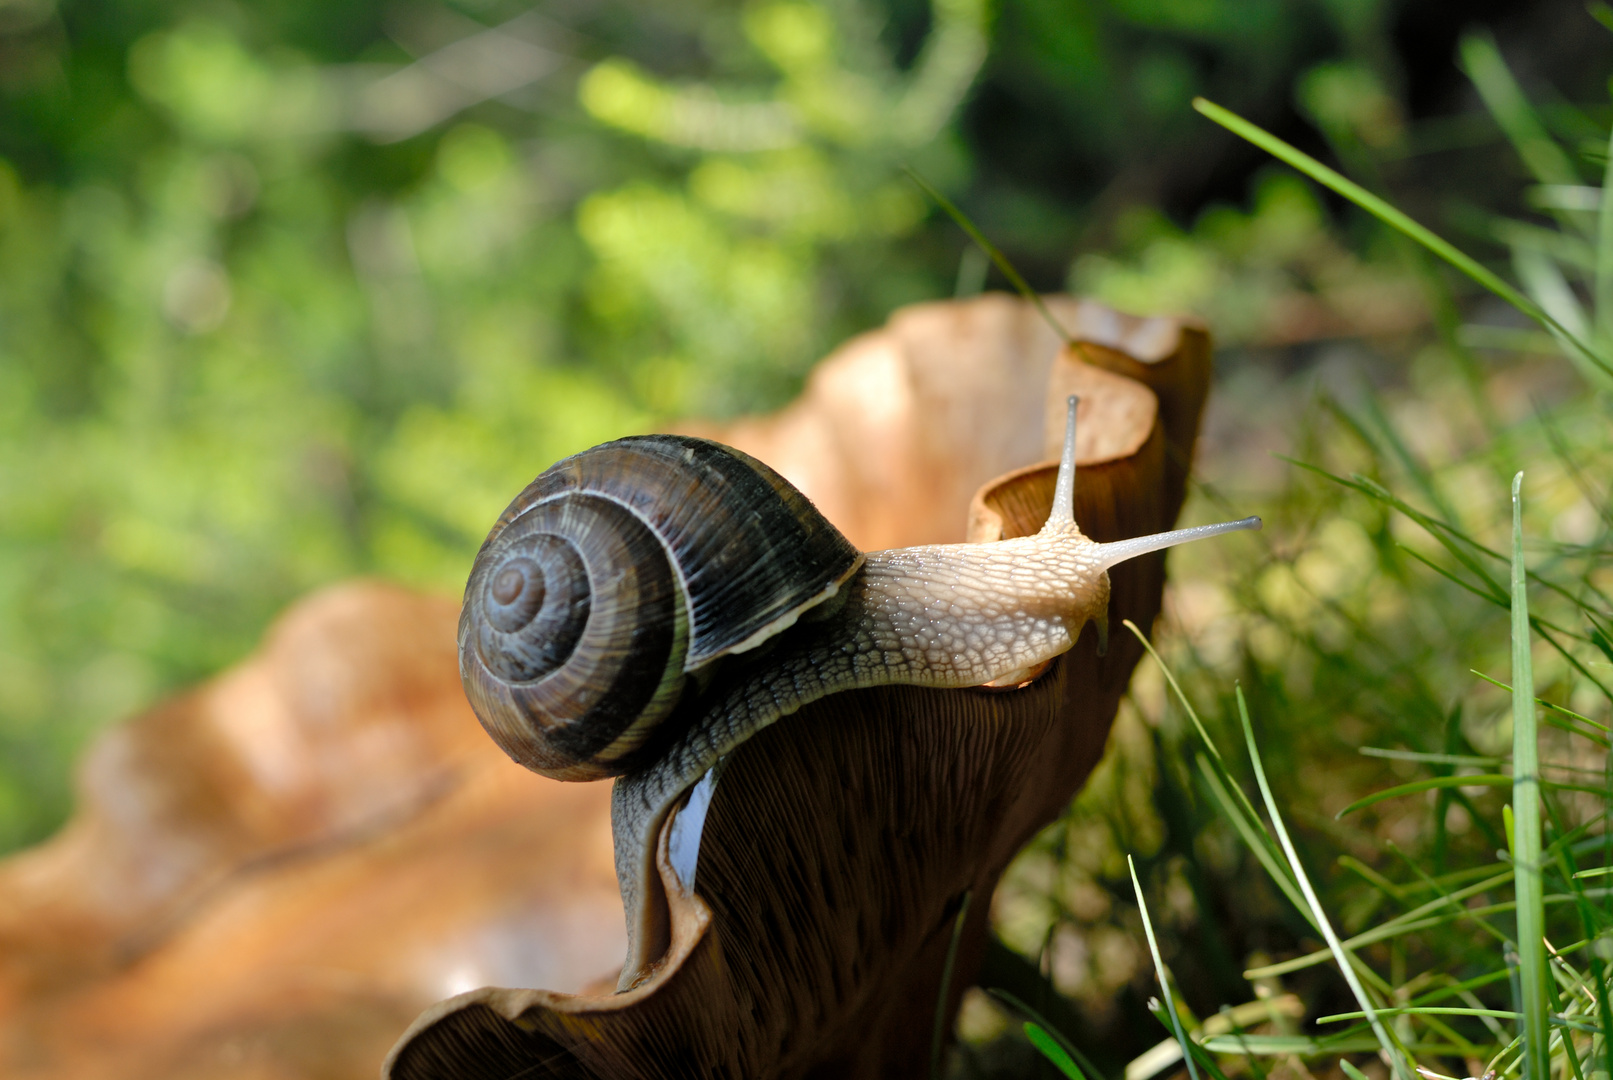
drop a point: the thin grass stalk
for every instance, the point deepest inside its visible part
(1504, 99)
(1085, 1063)
(1447, 535)
(1438, 1010)
(1421, 918)
(1455, 908)
(1396, 219)
(1543, 703)
(1439, 530)
(1528, 885)
(1599, 981)
(1607, 858)
(1052, 1050)
(1520, 1044)
(1159, 968)
(1569, 980)
(1015, 278)
(1443, 800)
(1227, 792)
(1392, 1056)
(1246, 832)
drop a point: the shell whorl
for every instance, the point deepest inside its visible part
(616, 572)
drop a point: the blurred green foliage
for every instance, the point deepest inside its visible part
(292, 292)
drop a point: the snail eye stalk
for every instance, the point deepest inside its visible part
(1063, 513)
(1121, 550)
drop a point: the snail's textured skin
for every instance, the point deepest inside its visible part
(617, 571)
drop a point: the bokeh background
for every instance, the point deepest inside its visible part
(292, 292)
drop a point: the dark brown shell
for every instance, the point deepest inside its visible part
(617, 571)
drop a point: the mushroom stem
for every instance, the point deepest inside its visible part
(1121, 550)
(1063, 513)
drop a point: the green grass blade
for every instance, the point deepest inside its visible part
(1401, 926)
(1600, 635)
(1505, 100)
(1373, 878)
(1482, 594)
(1307, 1046)
(1200, 1055)
(1602, 298)
(1454, 908)
(1419, 918)
(1159, 969)
(1451, 538)
(1560, 246)
(1440, 1010)
(1040, 1021)
(1014, 277)
(1239, 810)
(1599, 981)
(1235, 805)
(1546, 282)
(1430, 759)
(1528, 886)
(1252, 836)
(1542, 627)
(1346, 967)
(1395, 219)
(1052, 1051)
(1568, 979)
(1543, 703)
(1455, 541)
(1176, 688)
(1430, 784)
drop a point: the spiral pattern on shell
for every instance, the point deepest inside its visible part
(617, 572)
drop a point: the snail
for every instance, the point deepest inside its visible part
(644, 607)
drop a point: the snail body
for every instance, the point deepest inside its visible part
(952, 615)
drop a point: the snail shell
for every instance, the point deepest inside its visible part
(615, 575)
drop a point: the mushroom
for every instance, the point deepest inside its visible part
(838, 847)
(266, 877)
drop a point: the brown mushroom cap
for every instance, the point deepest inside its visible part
(267, 877)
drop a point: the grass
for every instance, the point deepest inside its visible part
(1425, 876)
